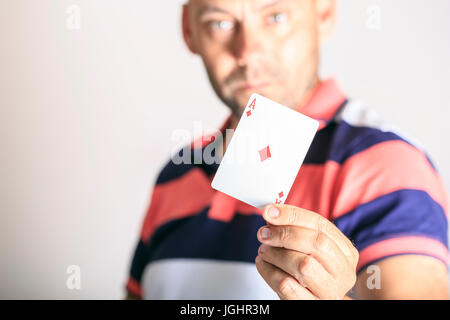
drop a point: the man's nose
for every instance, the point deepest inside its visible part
(247, 44)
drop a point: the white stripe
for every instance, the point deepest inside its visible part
(195, 279)
(357, 114)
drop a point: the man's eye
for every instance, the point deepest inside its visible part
(221, 25)
(277, 18)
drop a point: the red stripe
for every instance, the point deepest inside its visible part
(206, 139)
(313, 188)
(333, 190)
(187, 196)
(382, 169)
(222, 207)
(134, 287)
(403, 245)
(177, 199)
(322, 124)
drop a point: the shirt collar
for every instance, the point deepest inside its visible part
(325, 102)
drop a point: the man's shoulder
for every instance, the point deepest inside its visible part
(380, 166)
(358, 128)
(172, 169)
(188, 158)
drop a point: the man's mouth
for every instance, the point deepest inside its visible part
(252, 86)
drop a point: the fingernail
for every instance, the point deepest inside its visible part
(273, 212)
(262, 249)
(265, 233)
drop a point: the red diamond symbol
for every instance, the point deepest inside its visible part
(249, 113)
(264, 154)
(281, 194)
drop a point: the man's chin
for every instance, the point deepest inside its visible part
(247, 92)
(242, 96)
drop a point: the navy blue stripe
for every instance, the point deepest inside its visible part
(201, 237)
(336, 142)
(340, 141)
(174, 171)
(139, 262)
(404, 212)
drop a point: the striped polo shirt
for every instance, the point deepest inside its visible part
(378, 187)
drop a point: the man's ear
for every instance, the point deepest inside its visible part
(326, 18)
(187, 31)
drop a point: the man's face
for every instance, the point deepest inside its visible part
(270, 47)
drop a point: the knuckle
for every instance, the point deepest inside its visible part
(286, 287)
(350, 278)
(356, 254)
(306, 266)
(350, 283)
(292, 215)
(353, 249)
(353, 280)
(321, 224)
(285, 233)
(328, 227)
(356, 259)
(321, 242)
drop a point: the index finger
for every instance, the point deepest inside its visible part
(284, 214)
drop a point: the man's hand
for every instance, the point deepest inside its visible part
(305, 256)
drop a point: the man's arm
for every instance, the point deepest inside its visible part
(406, 277)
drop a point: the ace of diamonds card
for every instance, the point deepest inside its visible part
(265, 153)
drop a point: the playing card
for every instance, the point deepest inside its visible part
(265, 153)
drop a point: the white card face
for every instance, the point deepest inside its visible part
(265, 153)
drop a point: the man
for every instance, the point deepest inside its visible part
(367, 211)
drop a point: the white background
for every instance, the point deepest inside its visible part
(87, 115)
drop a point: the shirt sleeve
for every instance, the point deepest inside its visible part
(138, 263)
(143, 249)
(391, 201)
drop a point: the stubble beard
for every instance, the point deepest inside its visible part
(291, 99)
(235, 107)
